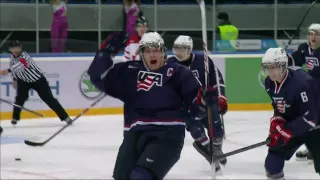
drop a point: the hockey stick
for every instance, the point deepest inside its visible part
(247, 148)
(300, 24)
(204, 37)
(31, 143)
(253, 146)
(15, 105)
(5, 39)
(212, 111)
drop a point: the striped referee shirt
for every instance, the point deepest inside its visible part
(24, 68)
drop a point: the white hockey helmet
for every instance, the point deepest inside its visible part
(151, 40)
(184, 41)
(314, 28)
(275, 58)
(182, 47)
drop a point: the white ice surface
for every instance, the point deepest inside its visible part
(88, 150)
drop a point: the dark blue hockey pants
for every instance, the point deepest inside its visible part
(277, 156)
(156, 151)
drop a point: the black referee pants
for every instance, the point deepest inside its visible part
(42, 88)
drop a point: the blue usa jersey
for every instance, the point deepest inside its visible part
(196, 65)
(152, 99)
(305, 55)
(294, 100)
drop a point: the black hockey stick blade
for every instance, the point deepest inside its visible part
(31, 143)
(21, 107)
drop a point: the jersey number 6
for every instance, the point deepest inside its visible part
(304, 96)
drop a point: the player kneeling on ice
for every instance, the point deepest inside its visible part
(308, 54)
(296, 112)
(182, 48)
(153, 93)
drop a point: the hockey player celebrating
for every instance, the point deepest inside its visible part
(295, 119)
(131, 49)
(182, 48)
(308, 54)
(153, 93)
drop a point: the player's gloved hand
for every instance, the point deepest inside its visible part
(209, 96)
(278, 134)
(103, 60)
(114, 43)
(223, 104)
(274, 121)
(274, 140)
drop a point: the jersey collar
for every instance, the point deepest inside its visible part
(278, 86)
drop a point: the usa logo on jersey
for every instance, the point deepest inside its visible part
(281, 104)
(196, 73)
(146, 80)
(311, 62)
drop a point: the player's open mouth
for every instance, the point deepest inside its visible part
(153, 61)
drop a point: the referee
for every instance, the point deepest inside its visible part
(27, 75)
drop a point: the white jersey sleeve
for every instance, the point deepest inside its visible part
(131, 52)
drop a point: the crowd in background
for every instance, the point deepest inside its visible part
(131, 12)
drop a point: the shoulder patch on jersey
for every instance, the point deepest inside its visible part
(169, 72)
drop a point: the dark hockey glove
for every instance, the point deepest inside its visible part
(209, 96)
(223, 104)
(279, 135)
(114, 43)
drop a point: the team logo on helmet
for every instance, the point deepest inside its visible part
(87, 89)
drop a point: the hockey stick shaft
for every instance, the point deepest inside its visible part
(30, 143)
(212, 111)
(5, 39)
(206, 56)
(26, 109)
(300, 24)
(247, 148)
